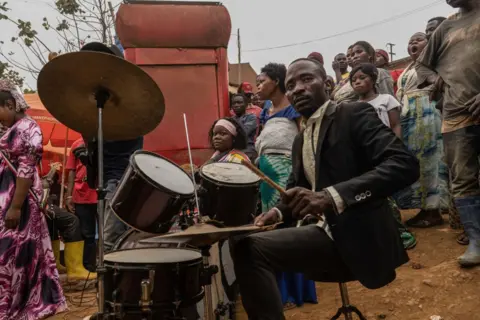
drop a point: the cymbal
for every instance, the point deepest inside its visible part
(67, 87)
(204, 234)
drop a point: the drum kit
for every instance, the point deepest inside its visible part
(152, 272)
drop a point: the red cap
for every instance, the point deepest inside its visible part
(316, 56)
(383, 53)
(246, 88)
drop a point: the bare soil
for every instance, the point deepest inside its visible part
(431, 284)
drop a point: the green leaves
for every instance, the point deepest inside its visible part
(7, 73)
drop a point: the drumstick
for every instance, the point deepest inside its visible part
(191, 163)
(262, 176)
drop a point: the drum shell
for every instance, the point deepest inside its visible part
(233, 204)
(180, 281)
(144, 205)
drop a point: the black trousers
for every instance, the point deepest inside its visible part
(259, 257)
(87, 214)
(64, 223)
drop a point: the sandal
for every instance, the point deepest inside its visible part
(289, 306)
(462, 239)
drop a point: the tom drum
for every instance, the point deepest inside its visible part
(229, 193)
(151, 193)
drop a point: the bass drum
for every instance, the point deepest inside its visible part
(173, 275)
(131, 240)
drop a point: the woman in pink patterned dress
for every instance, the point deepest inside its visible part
(29, 284)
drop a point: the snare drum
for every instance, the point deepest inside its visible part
(172, 276)
(230, 193)
(151, 193)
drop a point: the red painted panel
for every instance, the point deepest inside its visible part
(168, 25)
(187, 89)
(166, 56)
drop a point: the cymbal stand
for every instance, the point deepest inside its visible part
(208, 272)
(101, 96)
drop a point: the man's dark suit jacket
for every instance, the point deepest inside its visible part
(366, 163)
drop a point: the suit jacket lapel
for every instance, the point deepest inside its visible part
(326, 122)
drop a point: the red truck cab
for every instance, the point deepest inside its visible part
(183, 47)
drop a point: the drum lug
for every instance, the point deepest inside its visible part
(146, 301)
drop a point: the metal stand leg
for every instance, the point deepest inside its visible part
(346, 309)
(101, 97)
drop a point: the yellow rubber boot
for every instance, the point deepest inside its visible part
(74, 262)
(56, 253)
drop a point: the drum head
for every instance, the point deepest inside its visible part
(152, 256)
(229, 173)
(163, 173)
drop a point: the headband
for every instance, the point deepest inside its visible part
(227, 125)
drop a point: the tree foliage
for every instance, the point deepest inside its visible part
(7, 73)
(78, 21)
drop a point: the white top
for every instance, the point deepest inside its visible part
(383, 104)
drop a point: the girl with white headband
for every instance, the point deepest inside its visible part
(228, 137)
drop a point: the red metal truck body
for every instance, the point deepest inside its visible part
(182, 46)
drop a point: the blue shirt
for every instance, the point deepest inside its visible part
(289, 113)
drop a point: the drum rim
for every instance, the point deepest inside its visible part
(222, 183)
(154, 183)
(131, 230)
(199, 259)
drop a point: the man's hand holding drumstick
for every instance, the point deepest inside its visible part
(300, 200)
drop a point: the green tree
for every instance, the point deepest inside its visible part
(7, 73)
(78, 21)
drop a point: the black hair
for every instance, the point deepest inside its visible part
(422, 33)
(350, 47)
(239, 142)
(245, 98)
(369, 69)
(318, 64)
(276, 72)
(6, 96)
(368, 49)
(438, 19)
(335, 58)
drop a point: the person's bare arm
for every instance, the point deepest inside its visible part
(394, 118)
(14, 213)
(21, 191)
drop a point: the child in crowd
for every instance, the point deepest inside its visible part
(363, 78)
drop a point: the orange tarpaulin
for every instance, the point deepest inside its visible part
(51, 155)
(53, 131)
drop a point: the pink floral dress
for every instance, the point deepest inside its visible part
(29, 284)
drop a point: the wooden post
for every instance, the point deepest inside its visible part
(239, 46)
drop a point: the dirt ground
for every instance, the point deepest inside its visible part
(431, 284)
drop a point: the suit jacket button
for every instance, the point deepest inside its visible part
(363, 196)
(368, 194)
(358, 197)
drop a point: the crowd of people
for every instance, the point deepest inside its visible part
(350, 150)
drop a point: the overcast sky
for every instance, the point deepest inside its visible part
(271, 23)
